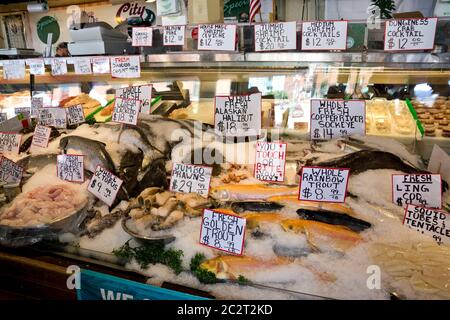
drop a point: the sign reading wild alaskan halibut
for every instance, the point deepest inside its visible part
(275, 36)
(410, 34)
(126, 111)
(70, 167)
(222, 231)
(10, 142)
(142, 93)
(104, 185)
(324, 35)
(174, 35)
(430, 221)
(217, 37)
(421, 189)
(125, 67)
(323, 184)
(332, 119)
(10, 172)
(142, 37)
(41, 136)
(189, 178)
(238, 116)
(270, 161)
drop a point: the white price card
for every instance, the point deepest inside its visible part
(25, 111)
(101, 65)
(10, 172)
(126, 111)
(59, 66)
(236, 116)
(3, 116)
(189, 178)
(125, 67)
(270, 161)
(75, 114)
(223, 231)
(323, 184)
(52, 117)
(10, 142)
(217, 37)
(41, 136)
(13, 69)
(174, 35)
(331, 119)
(36, 104)
(324, 35)
(142, 93)
(104, 185)
(142, 37)
(82, 65)
(275, 36)
(409, 34)
(37, 66)
(435, 223)
(421, 189)
(70, 167)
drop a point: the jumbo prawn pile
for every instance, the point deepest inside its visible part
(293, 249)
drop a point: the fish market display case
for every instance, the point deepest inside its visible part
(294, 249)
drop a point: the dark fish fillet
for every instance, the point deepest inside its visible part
(256, 206)
(334, 218)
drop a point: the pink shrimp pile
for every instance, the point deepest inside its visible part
(42, 205)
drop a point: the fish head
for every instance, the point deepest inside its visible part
(220, 194)
(63, 143)
(293, 225)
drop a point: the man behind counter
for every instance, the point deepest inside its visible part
(62, 50)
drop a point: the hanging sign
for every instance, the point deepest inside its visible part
(238, 115)
(142, 37)
(332, 119)
(52, 117)
(13, 69)
(142, 93)
(174, 35)
(37, 66)
(421, 189)
(324, 35)
(410, 34)
(101, 65)
(126, 111)
(70, 167)
(41, 136)
(82, 66)
(75, 114)
(436, 223)
(10, 172)
(275, 36)
(59, 66)
(10, 142)
(222, 231)
(104, 185)
(323, 184)
(270, 161)
(188, 178)
(217, 37)
(125, 67)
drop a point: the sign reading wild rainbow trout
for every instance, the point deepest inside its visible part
(323, 184)
(430, 221)
(410, 34)
(238, 116)
(332, 119)
(189, 178)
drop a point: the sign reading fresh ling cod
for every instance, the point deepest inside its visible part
(421, 189)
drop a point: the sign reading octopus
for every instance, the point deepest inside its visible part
(104, 185)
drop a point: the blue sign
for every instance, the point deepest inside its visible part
(100, 286)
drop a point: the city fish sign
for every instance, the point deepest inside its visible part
(135, 9)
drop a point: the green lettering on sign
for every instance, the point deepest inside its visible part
(48, 25)
(234, 8)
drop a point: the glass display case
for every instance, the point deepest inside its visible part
(294, 249)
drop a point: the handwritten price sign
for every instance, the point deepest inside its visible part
(324, 35)
(75, 114)
(52, 117)
(126, 111)
(125, 67)
(418, 189)
(10, 172)
(217, 37)
(410, 34)
(101, 65)
(70, 167)
(174, 35)
(323, 184)
(270, 161)
(188, 178)
(13, 69)
(275, 36)
(82, 66)
(10, 142)
(142, 37)
(223, 232)
(104, 185)
(41, 136)
(37, 66)
(59, 66)
(142, 93)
